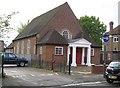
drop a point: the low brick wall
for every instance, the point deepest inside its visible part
(97, 68)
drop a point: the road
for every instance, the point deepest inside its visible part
(26, 76)
(94, 84)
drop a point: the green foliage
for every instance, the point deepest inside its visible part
(5, 25)
(22, 27)
(93, 27)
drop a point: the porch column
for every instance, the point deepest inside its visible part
(68, 50)
(88, 56)
(83, 55)
(74, 56)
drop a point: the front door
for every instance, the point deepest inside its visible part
(78, 56)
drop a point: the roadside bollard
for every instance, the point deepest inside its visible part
(70, 61)
(53, 65)
(3, 67)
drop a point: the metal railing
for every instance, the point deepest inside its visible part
(37, 61)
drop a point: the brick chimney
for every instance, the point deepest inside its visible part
(111, 25)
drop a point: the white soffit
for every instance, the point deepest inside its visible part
(80, 41)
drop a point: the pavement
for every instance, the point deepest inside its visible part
(40, 77)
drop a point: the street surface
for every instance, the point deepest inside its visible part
(26, 76)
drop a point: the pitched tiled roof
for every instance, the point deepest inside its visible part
(115, 31)
(37, 24)
(53, 37)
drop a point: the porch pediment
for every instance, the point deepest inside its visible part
(80, 41)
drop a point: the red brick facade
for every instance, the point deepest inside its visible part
(48, 53)
(96, 58)
(65, 19)
(18, 46)
(40, 44)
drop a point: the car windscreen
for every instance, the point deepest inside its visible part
(11, 55)
(114, 64)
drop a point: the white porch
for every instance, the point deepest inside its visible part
(83, 44)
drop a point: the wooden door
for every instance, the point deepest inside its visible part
(78, 56)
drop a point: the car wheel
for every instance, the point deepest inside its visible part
(22, 64)
(109, 80)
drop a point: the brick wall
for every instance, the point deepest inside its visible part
(32, 44)
(113, 46)
(48, 53)
(97, 69)
(64, 19)
(96, 58)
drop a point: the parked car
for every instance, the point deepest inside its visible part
(10, 58)
(113, 72)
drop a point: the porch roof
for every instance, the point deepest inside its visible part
(79, 42)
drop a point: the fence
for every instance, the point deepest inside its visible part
(37, 61)
(110, 56)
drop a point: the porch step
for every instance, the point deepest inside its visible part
(81, 69)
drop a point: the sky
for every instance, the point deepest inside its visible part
(106, 10)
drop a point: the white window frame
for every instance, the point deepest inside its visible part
(14, 49)
(58, 50)
(40, 50)
(115, 39)
(17, 48)
(34, 49)
(69, 35)
(66, 36)
(92, 51)
(28, 46)
(22, 47)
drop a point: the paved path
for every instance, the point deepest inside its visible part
(26, 76)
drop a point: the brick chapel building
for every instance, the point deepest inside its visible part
(58, 32)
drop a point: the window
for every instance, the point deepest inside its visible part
(58, 50)
(92, 51)
(40, 50)
(66, 34)
(34, 49)
(109, 56)
(11, 55)
(17, 48)
(22, 47)
(6, 55)
(28, 46)
(115, 39)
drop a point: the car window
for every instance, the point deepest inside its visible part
(11, 55)
(6, 55)
(115, 64)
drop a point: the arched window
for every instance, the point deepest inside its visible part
(66, 34)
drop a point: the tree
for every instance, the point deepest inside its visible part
(22, 26)
(5, 26)
(93, 27)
